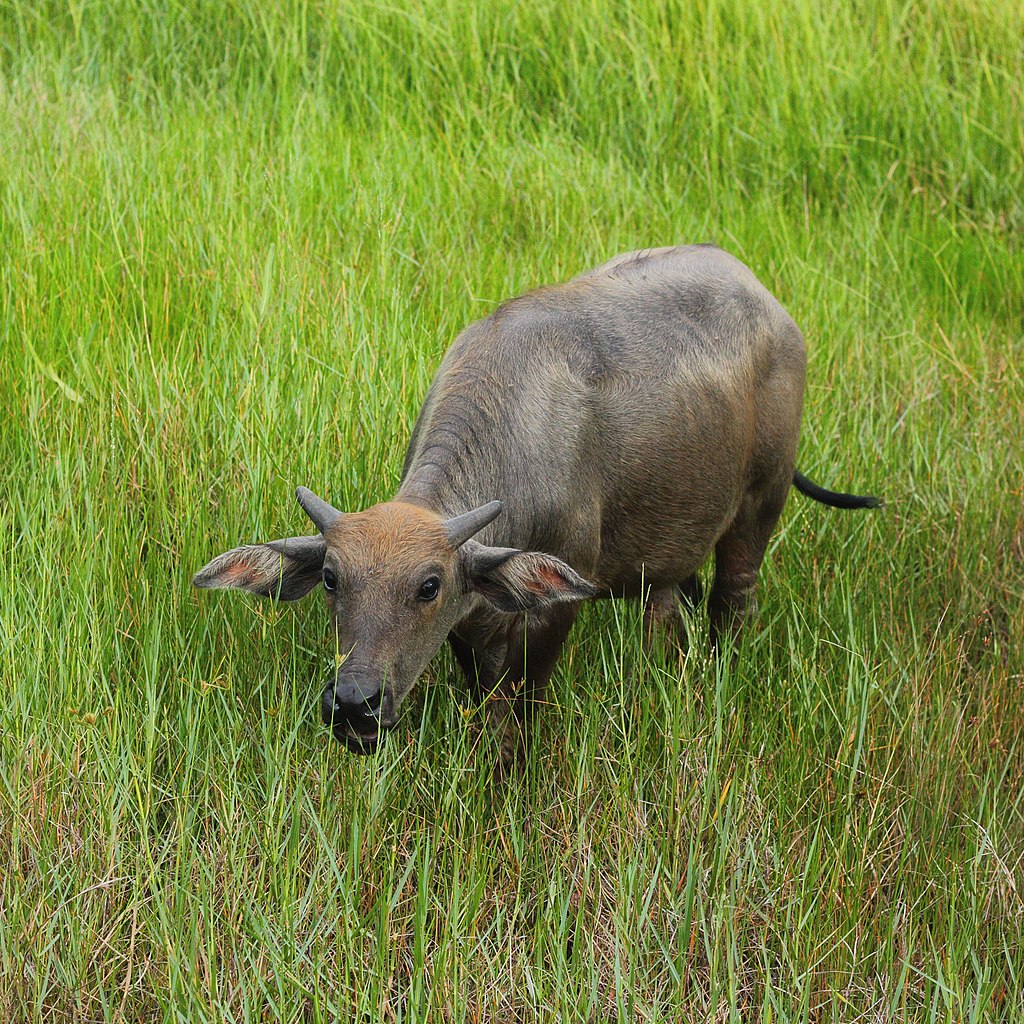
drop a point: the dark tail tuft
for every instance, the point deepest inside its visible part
(833, 498)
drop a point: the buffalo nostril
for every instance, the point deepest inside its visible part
(330, 709)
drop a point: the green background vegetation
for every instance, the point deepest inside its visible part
(235, 239)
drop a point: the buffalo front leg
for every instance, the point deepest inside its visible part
(470, 660)
(483, 662)
(665, 608)
(534, 645)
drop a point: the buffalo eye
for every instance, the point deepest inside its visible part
(330, 580)
(429, 589)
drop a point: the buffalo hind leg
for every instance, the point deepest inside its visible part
(738, 556)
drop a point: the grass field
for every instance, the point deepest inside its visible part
(235, 239)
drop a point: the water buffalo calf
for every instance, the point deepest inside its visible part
(592, 439)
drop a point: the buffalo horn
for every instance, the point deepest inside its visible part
(322, 514)
(461, 528)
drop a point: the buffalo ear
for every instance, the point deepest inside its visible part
(516, 581)
(283, 569)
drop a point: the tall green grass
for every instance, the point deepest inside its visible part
(234, 241)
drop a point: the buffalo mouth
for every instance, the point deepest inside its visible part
(358, 742)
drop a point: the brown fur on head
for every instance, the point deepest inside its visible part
(389, 535)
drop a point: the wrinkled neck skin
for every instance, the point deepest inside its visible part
(444, 475)
(467, 447)
(435, 487)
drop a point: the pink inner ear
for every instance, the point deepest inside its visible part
(550, 579)
(235, 572)
(242, 572)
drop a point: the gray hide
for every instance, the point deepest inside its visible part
(629, 421)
